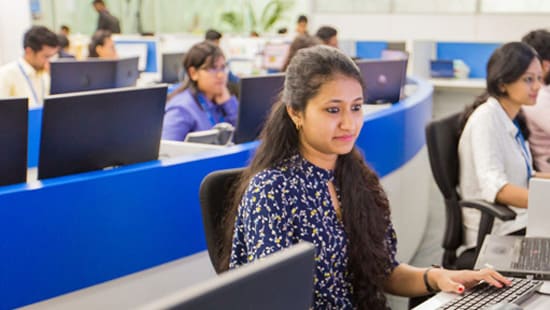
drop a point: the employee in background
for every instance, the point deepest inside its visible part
(65, 30)
(301, 25)
(300, 42)
(308, 181)
(495, 161)
(328, 35)
(29, 76)
(105, 20)
(203, 100)
(102, 46)
(213, 36)
(538, 116)
(64, 47)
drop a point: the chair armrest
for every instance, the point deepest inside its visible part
(502, 212)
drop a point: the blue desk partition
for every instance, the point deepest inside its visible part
(370, 49)
(33, 143)
(67, 233)
(475, 55)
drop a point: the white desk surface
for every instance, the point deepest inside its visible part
(537, 301)
(458, 83)
(137, 289)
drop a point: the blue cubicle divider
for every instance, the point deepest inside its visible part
(33, 141)
(152, 50)
(370, 49)
(475, 55)
(67, 233)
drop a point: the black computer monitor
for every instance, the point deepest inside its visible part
(172, 67)
(13, 140)
(257, 96)
(69, 75)
(283, 280)
(384, 79)
(100, 129)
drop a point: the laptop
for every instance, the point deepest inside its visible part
(383, 79)
(522, 256)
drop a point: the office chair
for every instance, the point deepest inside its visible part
(442, 141)
(214, 196)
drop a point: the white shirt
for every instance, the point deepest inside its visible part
(538, 120)
(14, 83)
(490, 157)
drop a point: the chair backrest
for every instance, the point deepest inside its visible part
(442, 141)
(214, 195)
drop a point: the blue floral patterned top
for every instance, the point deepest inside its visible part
(291, 202)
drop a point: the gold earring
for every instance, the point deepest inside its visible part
(298, 126)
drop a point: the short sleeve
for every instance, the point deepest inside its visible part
(391, 245)
(263, 220)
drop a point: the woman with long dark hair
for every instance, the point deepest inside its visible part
(494, 156)
(203, 100)
(308, 181)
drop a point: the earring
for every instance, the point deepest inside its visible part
(298, 126)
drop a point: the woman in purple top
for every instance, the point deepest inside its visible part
(203, 100)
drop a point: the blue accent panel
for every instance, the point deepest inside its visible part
(370, 49)
(152, 51)
(67, 233)
(475, 55)
(33, 142)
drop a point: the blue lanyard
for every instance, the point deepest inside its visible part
(204, 105)
(31, 87)
(524, 151)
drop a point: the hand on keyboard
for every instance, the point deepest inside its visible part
(456, 281)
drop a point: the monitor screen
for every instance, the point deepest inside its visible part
(383, 79)
(282, 280)
(275, 55)
(69, 75)
(257, 95)
(127, 44)
(13, 140)
(172, 67)
(100, 129)
(126, 50)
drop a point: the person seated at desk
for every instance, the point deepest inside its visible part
(301, 41)
(538, 116)
(203, 100)
(308, 181)
(64, 47)
(328, 35)
(494, 157)
(102, 46)
(29, 76)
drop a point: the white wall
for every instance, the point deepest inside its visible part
(15, 19)
(450, 27)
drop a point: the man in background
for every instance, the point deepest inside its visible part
(29, 76)
(301, 25)
(538, 116)
(328, 35)
(213, 36)
(105, 21)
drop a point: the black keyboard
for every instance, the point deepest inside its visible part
(534, 255)
(484, 295)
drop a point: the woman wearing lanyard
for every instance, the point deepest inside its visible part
(203, 100)
(495, 161)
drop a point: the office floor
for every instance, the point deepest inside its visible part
(445, 102)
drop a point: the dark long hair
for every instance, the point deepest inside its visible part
(201, 55)
(364, 204)
(506, 65)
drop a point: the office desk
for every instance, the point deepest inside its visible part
(477, 84)
(64, 234)
(536, 301)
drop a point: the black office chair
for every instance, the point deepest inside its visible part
(214, 195)
(442, 141)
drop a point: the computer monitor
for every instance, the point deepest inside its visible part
(282, 280)
(172, 67)
(127, 43)
(384, 79)
(100, 129)
(275, 55)
(257, 95)
(126, 50)
(13, 140)
(69, 75)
